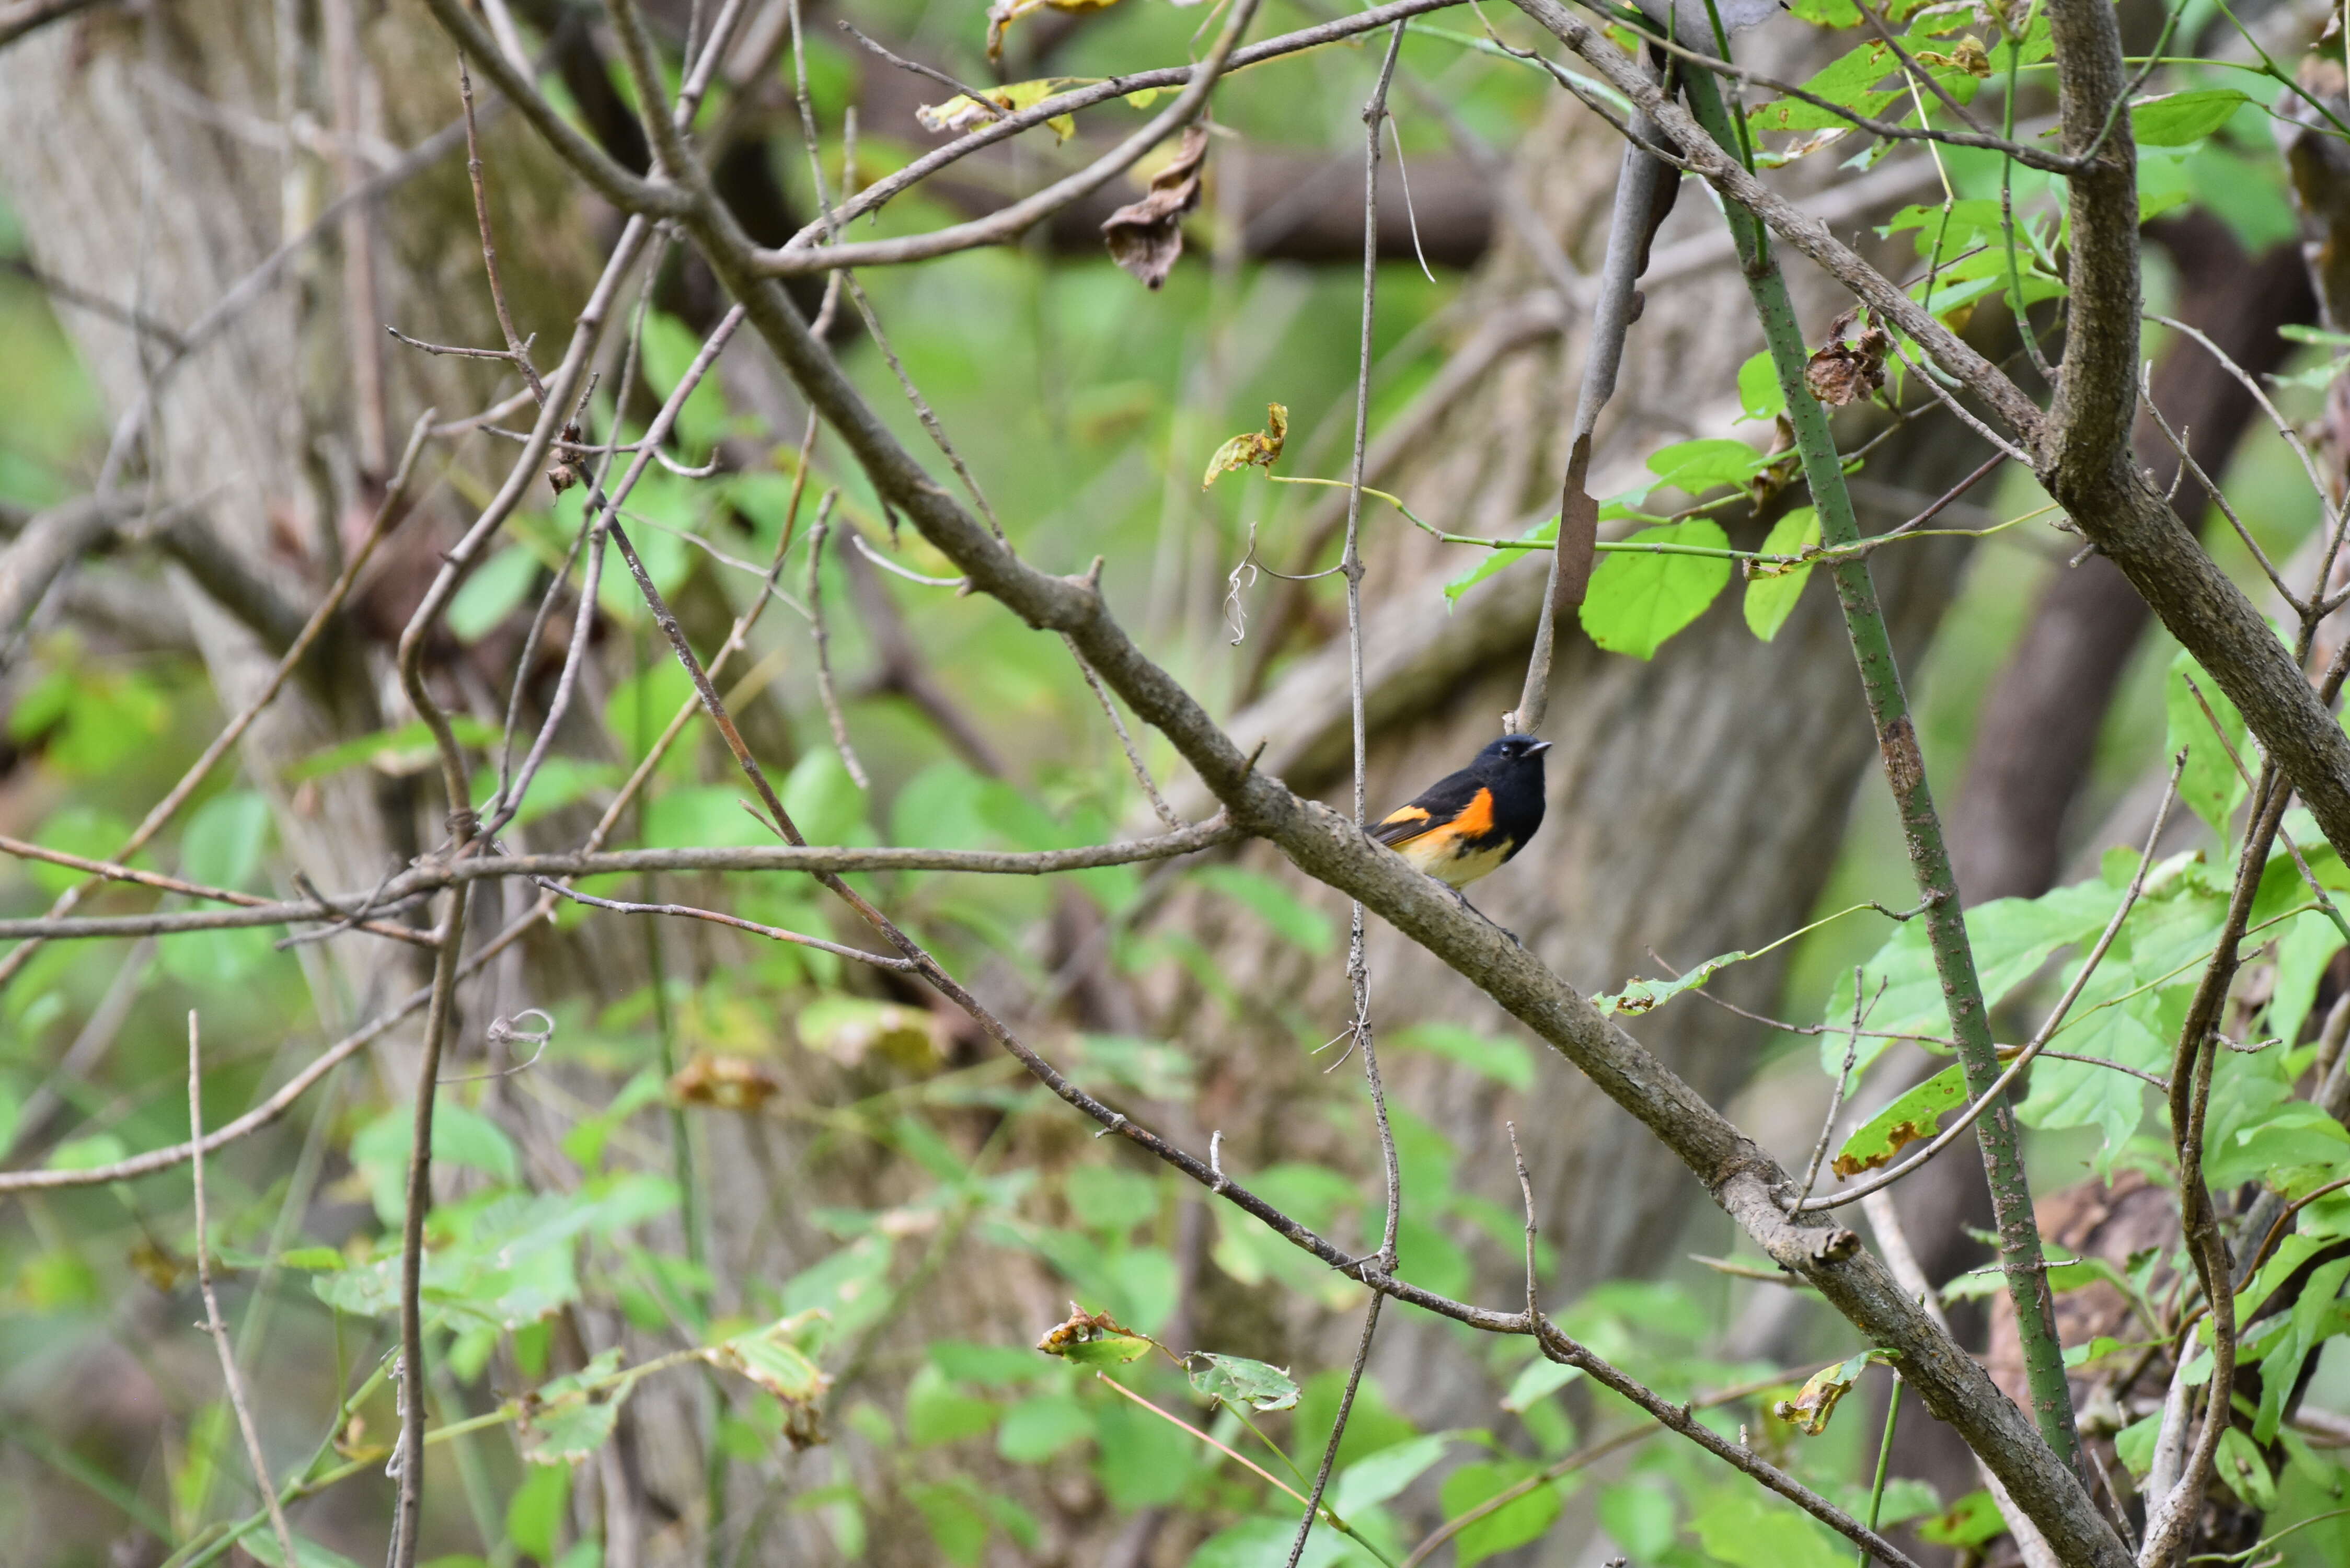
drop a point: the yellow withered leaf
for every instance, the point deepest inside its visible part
(963, 112)
(1259, 447)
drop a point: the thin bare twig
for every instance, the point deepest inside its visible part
(230, 1377)
(977, 96)
(1358, 971)
(824, 686)
(515, 346)
(1843, 1080)
(1159, 806)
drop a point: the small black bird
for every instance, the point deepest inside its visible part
(1470, 823)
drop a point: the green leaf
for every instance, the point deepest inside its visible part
(1543, 532)
(2133, 1445)
(537, 1513)
(459, 1137)
(1758, 392)
(938, 1413)
(670, 348)
(2210, 785)
(1643, 995)
(768, 1357)
(262, 1544)
(1696, 466)
(496, 587)
(1744, 1527)
(1104, 1198)
(1771, 599)
(78, 829)
(1141, 1459)
(1513, 1524)
(1291, 918)
(1236, 1380)
(394, 752)
(1637, 599)
(2295, 1134)
(1541, 1378)
(2239, 1465)
(1042, 1425)
(1913, 1117)
(1375, 1478)
(224, 839)
(1975, 1519)
(824, 802)
(2012, 938)
(1638, 1518)
(957, 1520)
(991, 1365)
(2174, 119)
(88, 1153)
(1506, 1062)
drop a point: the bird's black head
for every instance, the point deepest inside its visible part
(1511, 754)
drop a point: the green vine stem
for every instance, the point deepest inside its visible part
(1921, 828)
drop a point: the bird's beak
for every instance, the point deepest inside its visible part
(1538, 748)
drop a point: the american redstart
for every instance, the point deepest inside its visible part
(1470, 823)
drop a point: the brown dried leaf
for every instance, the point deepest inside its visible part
(724, 1082)
(1812, 1407)
(1967, 55)
(1262, 448)
(1002, 15)
(1843, 373)
(1146, 237)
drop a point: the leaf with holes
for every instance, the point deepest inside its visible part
(1646, 996)
(1260, 448)
(1236, 1380)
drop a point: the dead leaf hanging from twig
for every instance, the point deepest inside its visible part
(1843, 373)
(1262, 448)
(1006, 12)
(1147, 236)
(963, 112)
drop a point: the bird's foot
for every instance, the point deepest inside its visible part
(1486, 918)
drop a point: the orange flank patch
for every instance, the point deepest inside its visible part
(1476, 818)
